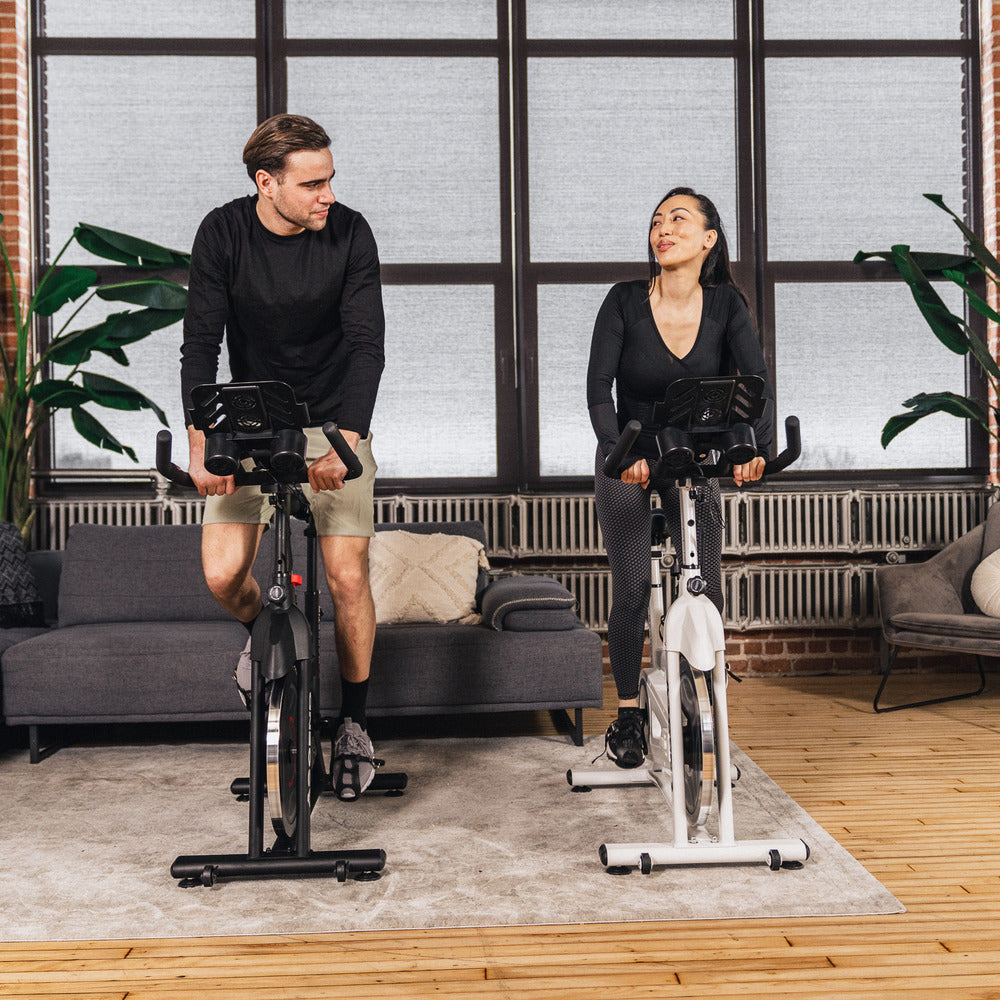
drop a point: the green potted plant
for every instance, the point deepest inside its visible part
(31, 391)
(917, 269)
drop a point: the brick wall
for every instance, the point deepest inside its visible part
(798, 653)
(14, 153)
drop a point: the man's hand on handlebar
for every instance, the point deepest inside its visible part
(328, 472)
(750, 472)
(204, 481)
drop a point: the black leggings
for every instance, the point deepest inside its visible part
(623, 511)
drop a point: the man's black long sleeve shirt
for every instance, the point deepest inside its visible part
(303, 309)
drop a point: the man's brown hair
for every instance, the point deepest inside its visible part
(273, 140)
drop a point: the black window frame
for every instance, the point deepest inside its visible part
(515, 277)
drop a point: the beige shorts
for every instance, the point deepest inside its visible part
(349, 511)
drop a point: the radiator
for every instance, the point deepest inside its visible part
(495, 512)
(54, 518)
(917, 519)
(757, 596)
(558, 535)
(557, 526)
(798, 522)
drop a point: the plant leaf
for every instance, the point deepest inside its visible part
(154, 294)
(897, 424)
(58, 393)
(117, 396)
(932, 263)
(132, 326)
(950, 329)
(92, 430)
(62, 286)
(116, 354)
(976, 245)
(127, 249)
(926, 403)
(74, 348)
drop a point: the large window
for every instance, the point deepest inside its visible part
(508, 156)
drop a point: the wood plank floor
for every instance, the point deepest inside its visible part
(914, 795)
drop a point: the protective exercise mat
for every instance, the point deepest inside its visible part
(488, 833)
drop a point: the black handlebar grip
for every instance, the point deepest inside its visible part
(164, 466)
(343, 450)
(612, 464)
(793, 448)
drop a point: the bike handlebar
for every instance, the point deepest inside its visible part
(613, 464)
(255, 477)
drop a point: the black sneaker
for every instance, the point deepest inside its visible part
(625, 740)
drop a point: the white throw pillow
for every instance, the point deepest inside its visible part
(986, 585)
(425, 578)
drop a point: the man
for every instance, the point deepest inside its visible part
(291, 277)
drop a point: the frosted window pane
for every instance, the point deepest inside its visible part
(154, 369)
(629, 19)
(852, 145)
(149, 19)
(566, 315)
(145, 145)
(416, 147)
(436, 408)
(856, 19)
(391, 18)
(609, 137)
(847, 357)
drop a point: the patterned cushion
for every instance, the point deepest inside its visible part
(425, 578)
(986, 585)
(20, 602)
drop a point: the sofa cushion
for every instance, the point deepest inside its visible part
(417, 577)
(20, 602)
(126, 671)
(986, 585)
(529, 604)
(134, 574)
(427, 669)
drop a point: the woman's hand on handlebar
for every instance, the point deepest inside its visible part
(749, 473)
(205, 483)
(328, 472)
(638, 472)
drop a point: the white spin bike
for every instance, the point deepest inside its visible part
(706, 431)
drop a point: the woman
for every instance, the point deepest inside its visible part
(688, 320)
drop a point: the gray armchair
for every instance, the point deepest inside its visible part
(929, 605)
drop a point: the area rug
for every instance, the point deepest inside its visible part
(488, 833)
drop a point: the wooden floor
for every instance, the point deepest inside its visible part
(914, 795)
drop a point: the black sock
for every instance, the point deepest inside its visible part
(353, 702)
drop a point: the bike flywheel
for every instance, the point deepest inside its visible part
(698, 728)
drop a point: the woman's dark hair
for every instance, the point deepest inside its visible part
(715, 269)
(275, 139)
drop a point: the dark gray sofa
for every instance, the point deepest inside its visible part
(139, 638)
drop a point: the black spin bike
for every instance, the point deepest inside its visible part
(263, 422)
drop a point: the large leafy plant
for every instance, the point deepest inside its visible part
(37, 383)
(967, 271)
